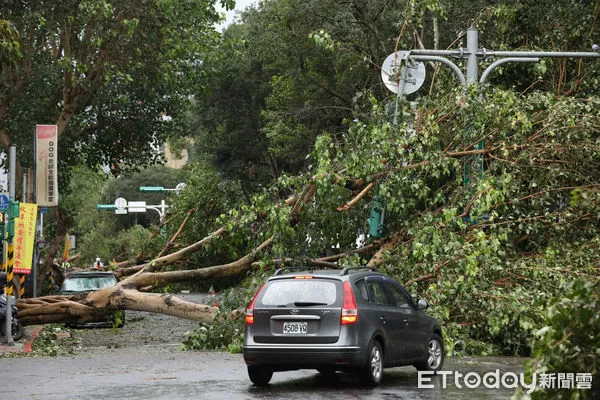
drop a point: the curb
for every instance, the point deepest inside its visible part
(35, 331)
(25, 345)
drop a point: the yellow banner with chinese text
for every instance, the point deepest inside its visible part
(24, 237)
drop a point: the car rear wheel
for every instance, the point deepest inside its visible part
(434, 357)
(373, 371)
(260, 376)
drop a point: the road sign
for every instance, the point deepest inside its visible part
(136, 206)
(392, 69)
(152, 189)
(105, 207)
(121, 205)
(3, 201)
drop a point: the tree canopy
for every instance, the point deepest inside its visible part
(491, 252)
(104, 71)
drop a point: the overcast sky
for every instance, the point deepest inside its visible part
(240, 5)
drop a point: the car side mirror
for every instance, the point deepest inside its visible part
(422, 304)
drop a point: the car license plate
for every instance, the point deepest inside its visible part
(295, 328)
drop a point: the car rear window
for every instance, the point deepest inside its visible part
(78, 284)
(300, 292)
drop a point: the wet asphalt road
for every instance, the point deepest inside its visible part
(166, 372)
(144, 360)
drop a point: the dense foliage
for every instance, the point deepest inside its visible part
(489, 281)
(569, 341)
(492, 194)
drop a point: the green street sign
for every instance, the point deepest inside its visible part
(152, 189)
(106, 207)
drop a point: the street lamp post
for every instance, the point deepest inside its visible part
(134, 206)
(155, 189)
(122, 206)
(401, 65)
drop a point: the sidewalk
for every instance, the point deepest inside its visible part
(23, 345)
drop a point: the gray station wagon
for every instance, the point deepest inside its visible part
(352, 320)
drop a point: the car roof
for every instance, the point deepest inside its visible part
(83, 274)
(325, 272)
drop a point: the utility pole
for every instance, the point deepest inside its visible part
(13, 212)
(399, 72)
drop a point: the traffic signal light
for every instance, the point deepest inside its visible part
(13, 209)
(377, 218)
(12, 213)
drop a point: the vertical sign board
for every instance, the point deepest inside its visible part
(46, 140)
(24, 238)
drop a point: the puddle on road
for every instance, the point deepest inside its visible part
(398, 383)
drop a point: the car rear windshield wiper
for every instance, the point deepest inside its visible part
(308, 303)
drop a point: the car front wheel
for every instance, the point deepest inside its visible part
(260, 376)
(434, 356)
(327, 371)
(373, 371)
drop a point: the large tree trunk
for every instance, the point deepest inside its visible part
(94, 305)
(127, 293)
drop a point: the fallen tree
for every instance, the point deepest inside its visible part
(136, 280)
(128, 293)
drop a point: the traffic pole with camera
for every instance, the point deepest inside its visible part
(403, 72)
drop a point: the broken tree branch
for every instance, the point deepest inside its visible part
(355, 200)
(171, 242)
(390, 244)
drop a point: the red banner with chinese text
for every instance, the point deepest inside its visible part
(46, 141)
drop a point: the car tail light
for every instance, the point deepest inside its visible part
(250, 310)
(349, 310)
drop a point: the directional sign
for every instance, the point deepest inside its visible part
(152, 188)
(105, 207)
(3, 201)
(136, 206)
